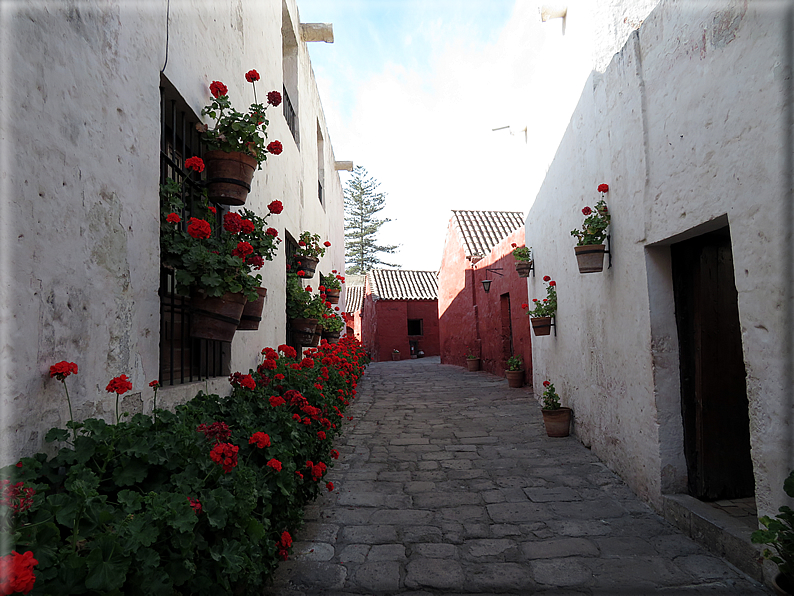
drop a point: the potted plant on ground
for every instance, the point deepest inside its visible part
(395, 354)
(332, 286)
(779, 534)
(237, 142)
(556, 418)
(590, 248)
(213, 263)
(515, 372)
(523, 256)
(472, 360)
(308, 254)
(543, 310)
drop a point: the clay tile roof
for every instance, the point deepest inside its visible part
(398, 284)
(480, 231)
(354, 294)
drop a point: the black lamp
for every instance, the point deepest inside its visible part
(486, 283)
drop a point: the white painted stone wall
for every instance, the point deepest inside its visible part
(686, 126)
(79, 218)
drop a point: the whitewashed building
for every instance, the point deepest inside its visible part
(94, 94)
(676, 359)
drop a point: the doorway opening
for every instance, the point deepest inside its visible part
(714, 403)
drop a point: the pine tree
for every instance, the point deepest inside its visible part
(362, 203)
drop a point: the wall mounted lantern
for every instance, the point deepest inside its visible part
(486, 283)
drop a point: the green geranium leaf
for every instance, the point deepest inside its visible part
(129, 472)
(107, 566)
(56, 434)
(130, 500)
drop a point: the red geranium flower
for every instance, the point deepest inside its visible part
(603, 187)
(334, 454)
(217, 431)
(546, 278)
(272, 232)
(525, 305)
(321, 435)
(256, 261)
(195, 504)
(247, 226)
(277, 400)
(275, 147)
(288, 351)
(232, 222)
(326, 243)
(587, 211)
(329, 486)
(195, 163)
(260, 439)
(552, 283)
(63, 369)
(225, 455)
(514, 245)
(155, 384)
(275, 464)
(198, 228)
(243, 250)
(546, 383)
(119, 385)
(274, 98)
(251, 76)
(173, 218)
(276, 207)
(16, 573)
(218, 89)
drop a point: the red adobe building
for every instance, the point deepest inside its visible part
(397, 310)
(491, 324)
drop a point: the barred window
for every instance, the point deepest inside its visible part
(182, 358)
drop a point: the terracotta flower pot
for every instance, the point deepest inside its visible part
(332, 296)
(303, 331)
(306, 264)
(558, 422)
(215, 318)
(318, 334)
(783, 585)
(473, 364)
(515, 378)
(229, 176)
(590, 257)
(395, 356)
(541, 325)
(332, 337)
(523, 268)
(252, 313)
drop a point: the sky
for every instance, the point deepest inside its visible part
(412, 90)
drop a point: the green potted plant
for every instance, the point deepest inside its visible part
(556, 417)
(237, 141)
(395, 354)
(515, 372)
(300, 311)
(542, 311)
(590, 248)
(523, 257)
(308, 254)
(472, 360)
(779, 534)
(332, 286)
(332, 325)
(213, 263)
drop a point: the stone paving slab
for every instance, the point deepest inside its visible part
(447, 484)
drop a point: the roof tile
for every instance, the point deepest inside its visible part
(480, 231)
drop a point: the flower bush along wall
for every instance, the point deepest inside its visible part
(596, 221)
(200, 501)
(214, 260)
(234, 131)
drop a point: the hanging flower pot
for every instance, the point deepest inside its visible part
(318, 333)
(558, 422)
(306, 264)
(332, 296)
(303, 331)
(215, 318)
(590, 257)
(541, 325)
(229, 176)
(252, 313)
(332, 337)
(523, 268)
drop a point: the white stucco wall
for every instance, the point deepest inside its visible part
(686, 125)
(79, 235)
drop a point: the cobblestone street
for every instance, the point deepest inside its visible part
(448, 484)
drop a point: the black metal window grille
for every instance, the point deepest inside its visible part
(289, 115)
(320, 191)
(183, 359)
(415, 327)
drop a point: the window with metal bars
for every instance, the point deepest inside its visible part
(183, 359)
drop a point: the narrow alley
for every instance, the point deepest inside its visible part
(447, 484)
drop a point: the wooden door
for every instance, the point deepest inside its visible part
(713, 386)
